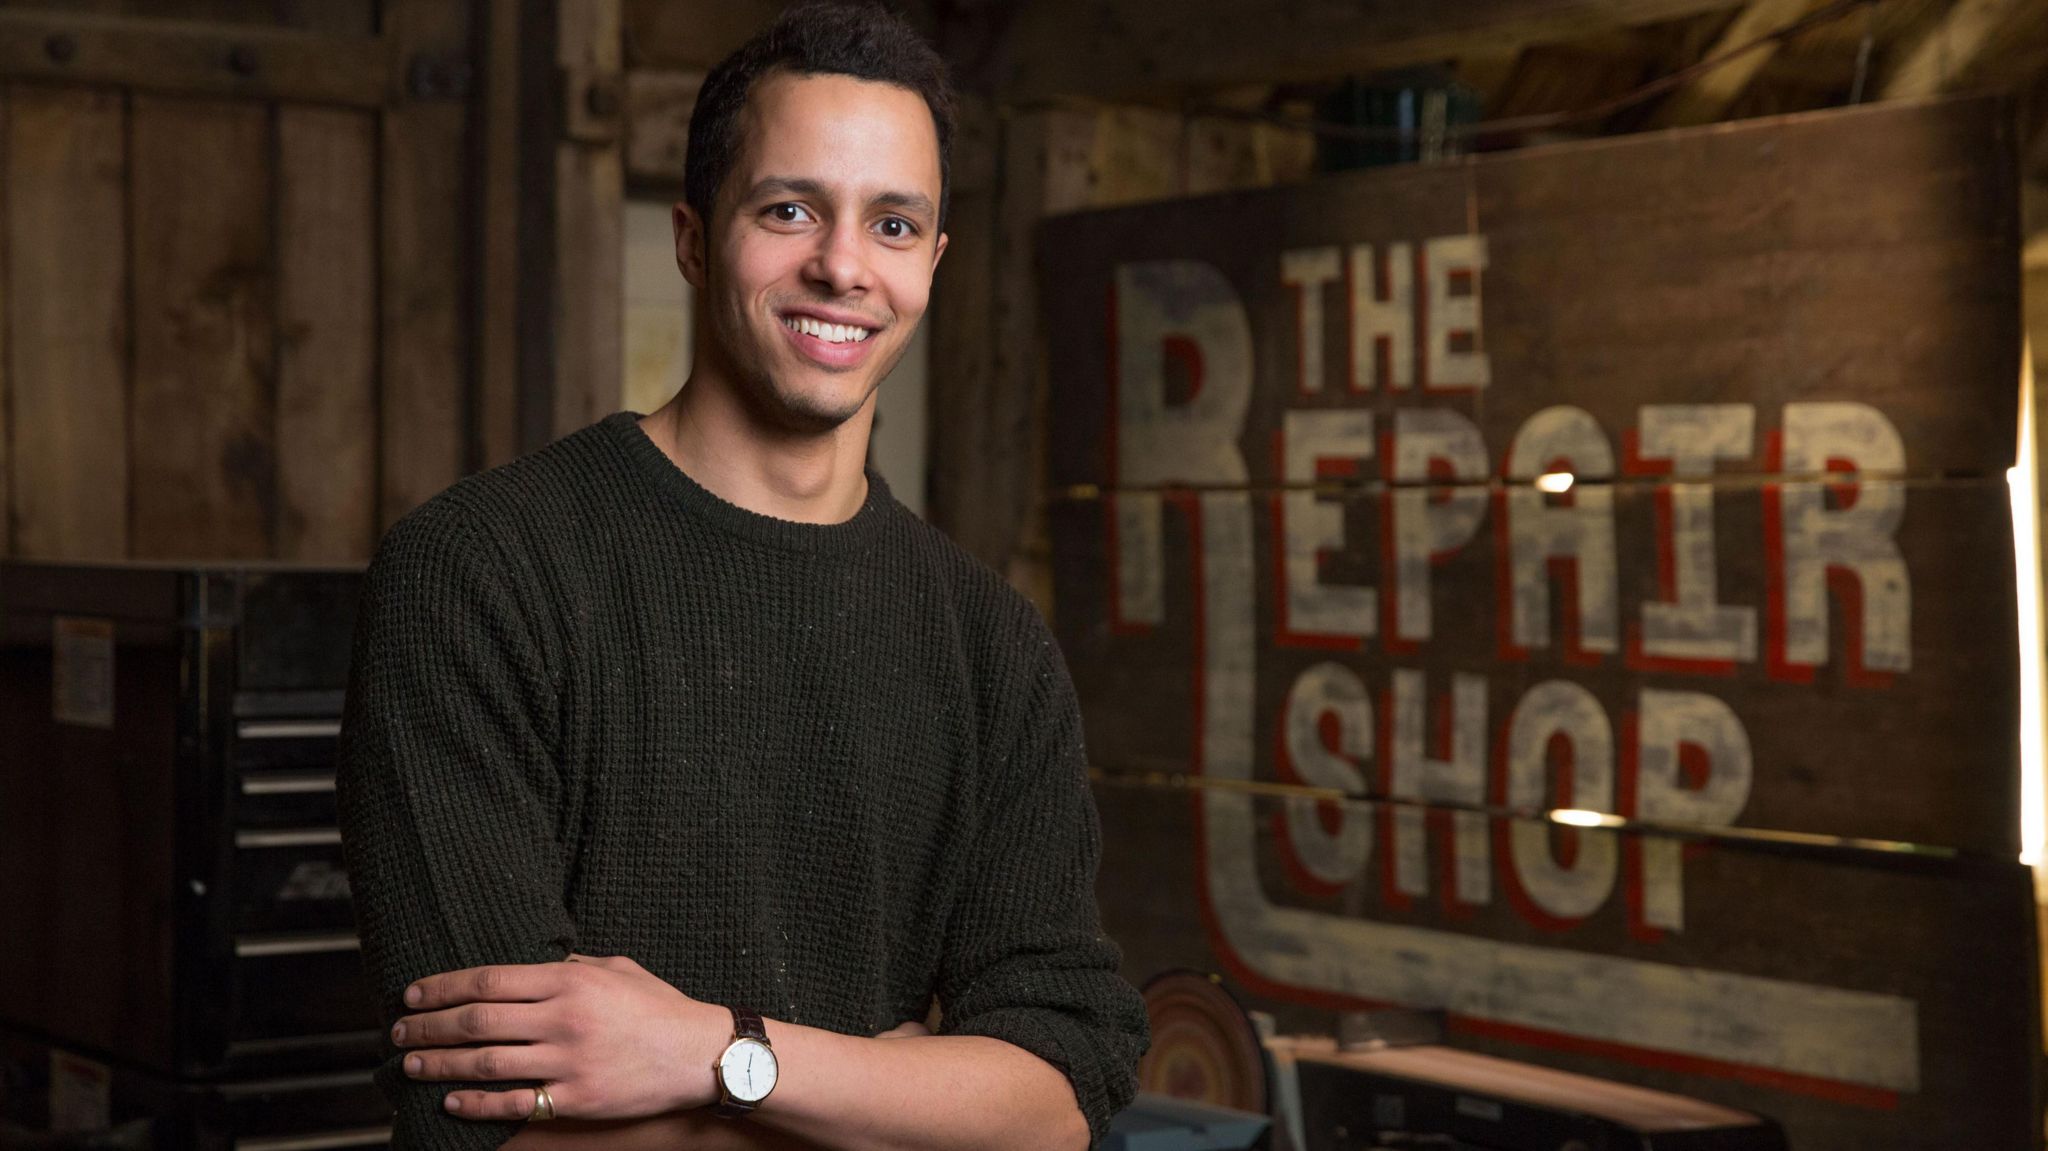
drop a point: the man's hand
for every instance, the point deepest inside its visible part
(614, 1043)
(610, 1040)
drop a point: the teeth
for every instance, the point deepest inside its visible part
(830, 333)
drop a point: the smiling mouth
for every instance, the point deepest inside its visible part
(830, 333)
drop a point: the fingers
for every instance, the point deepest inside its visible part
(907, 1030)
(501, 983)
(517, 1103)
(486, 1064)
(475, 1023)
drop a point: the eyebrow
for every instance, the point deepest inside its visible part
(915, 203)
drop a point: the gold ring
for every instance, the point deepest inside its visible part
(543, 1105)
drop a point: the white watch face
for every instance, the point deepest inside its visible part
(748, 1070)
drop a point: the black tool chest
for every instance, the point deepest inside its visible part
(176, 945)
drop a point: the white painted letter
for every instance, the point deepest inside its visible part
(1459, 779)
(1378, 319)
(1569, 438)
(1192, 308)
(1311, 526)
(1692, 624)
(1549, 709)
(1306, 270)
(1329, 689)
(1857, 539)
(1455, 315)
(1668, 721)
(1430, 523)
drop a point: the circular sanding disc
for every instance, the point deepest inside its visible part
(1204, 1046)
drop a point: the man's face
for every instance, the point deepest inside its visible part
(821, 245)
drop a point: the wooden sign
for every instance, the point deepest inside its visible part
(1655, 483)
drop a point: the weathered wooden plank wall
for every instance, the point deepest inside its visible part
(67, 323)
(327, 334)
(1297, 540)
(201, 437)
(237, 297)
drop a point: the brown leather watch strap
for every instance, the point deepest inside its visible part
(746, 1024)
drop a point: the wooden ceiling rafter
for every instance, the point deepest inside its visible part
(1708, 96)
(1947, 57)
(1125, 50)
(1488, 74)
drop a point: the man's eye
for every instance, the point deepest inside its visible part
(788, 213)
(897, 228)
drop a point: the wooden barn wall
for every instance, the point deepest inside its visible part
(1297, 542)
(1012, 167)
(234, 287)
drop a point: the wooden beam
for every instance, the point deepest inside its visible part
(691, 34)
(1943, 60)
(495, 431)
(658, 107)
(192, 58)
(2033, 129)
(589, 216)
(967, 498)
(1708, 96)
(425, 348)
(1121, 49)
(2034, 232)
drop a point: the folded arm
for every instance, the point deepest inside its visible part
(453, 809)
(450, 796)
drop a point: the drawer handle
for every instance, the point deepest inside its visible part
(318, 1141)
(291, 837)
(289, 784)
(265, 946)
(287, 728)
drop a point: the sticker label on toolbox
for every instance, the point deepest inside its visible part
(81, 1094)
(314, 879)
(1478, 1108)
(82, 672)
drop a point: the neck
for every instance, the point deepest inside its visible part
(808, 477)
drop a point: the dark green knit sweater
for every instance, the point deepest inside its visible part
(826, 772)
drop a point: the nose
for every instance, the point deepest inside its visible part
(839, 265)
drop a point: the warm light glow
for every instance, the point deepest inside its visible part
(1556, 483)
(1575, 816)
(2026, 531)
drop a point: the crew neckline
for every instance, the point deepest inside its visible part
(850, 534)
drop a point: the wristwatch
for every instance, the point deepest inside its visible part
(747, 1069)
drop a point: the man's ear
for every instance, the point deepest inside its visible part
(939, 251)
(691, 237)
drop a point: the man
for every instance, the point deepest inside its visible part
(683, 718)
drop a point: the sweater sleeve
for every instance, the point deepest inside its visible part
(1026, 961)
(448, 788)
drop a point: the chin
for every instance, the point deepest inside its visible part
(817, 411)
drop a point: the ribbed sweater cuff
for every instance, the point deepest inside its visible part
(1068, 1045)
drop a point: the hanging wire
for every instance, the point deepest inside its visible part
(1863, 51)
(1546, 121)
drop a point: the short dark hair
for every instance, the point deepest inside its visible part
(862, 40)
